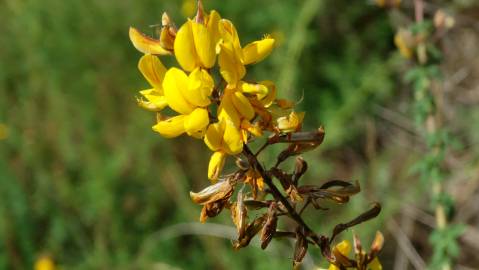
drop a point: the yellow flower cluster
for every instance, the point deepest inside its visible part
(227, 113)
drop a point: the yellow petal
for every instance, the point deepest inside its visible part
(344, 247)
(229, 35)
(154, 100)
(172, 127)
(153, 70)
(290, 123)
(200, 86)
(233, 143)
(217, 162)
(254, 88)
(257, 51)
(214, 136)
(227, 110)
(333, 267)
(242, 105)
(375, 265)
(146, 44)
(213, 27)
(270, 96)
(253, 129)
(44, 263)
(185, 51)
(230, 64)
(174, 85)
(205, 45)
(196, 122)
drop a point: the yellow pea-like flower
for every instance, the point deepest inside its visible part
(172, 127)
(188, 96)
(404, 42)
(227, 110)
(200, 86)
(242, 105)
(216, 164)
(196, 122)
(225, 138)
(232, 58)
(154, 100)
(290, 123)
(232, 139)
(195, 43)
(214, 136)
(344, 248)
(257, 50)
(146, 44)
(174, 84)
(231, 67)
(154, 72)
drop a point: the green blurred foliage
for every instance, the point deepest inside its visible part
(83, 178)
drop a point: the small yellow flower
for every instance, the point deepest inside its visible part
(154, 72)
(233, 58)
(146, 44)
(290, 123)
(223, 138)
(195, 43)
(44, 263)
(404, 42)
(188, 96)
(345, 248)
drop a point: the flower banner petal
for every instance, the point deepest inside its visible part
(174, 84)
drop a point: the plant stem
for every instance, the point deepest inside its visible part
(274, 190)
(431, 125)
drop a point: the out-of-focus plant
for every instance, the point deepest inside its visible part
(418, 42)
(215, 103)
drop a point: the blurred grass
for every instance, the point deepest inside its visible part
(83, 179)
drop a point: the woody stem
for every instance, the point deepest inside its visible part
(275, 191)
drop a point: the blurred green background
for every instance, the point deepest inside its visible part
(86, 182)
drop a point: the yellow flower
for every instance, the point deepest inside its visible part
(290, 123)
(196, 41)
(232, 58)
(222, 138)
(345, 248)
(188, 96)
(146, 44)
(154, 72)
(44, 263)
(404, 42)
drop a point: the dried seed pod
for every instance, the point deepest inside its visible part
(212, 209)
(300, 168)
(239, 214)
(269, 227)
(222, 190)
(300, 249)
(251, 230)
